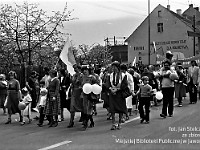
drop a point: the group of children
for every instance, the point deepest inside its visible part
(26, 99)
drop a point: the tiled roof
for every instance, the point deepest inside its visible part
(186, 21)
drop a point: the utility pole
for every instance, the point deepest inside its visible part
(194, 36)
(149, 31)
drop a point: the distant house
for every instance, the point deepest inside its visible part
(118, 48)
(168, 31)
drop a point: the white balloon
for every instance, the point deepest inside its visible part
(159, 95)
(87, 88)
(96, 89)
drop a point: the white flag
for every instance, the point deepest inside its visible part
(67, 57)
(134, 62)
(154, 46)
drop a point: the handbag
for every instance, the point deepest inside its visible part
(93, 98)
(126, 93)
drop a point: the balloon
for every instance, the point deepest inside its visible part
(21, 105)
(87, 88)
(159, 95)
(96, 89)
(173, 76)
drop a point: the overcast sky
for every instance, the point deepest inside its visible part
(99, 19)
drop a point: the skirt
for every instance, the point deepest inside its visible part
(117, 103)
(76, 104)
(53, 106)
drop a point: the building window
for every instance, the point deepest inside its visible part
(160, 27)
(159, 13)
(140, 58)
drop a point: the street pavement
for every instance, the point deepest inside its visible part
(180, 132)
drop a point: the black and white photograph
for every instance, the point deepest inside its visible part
(99, 74)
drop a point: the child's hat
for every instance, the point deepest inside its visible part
(24, 90)
(43, 90)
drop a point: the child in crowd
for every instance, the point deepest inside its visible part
(42, 102)
(26, 98)
(145, 92)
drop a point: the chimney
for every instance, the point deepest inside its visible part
(197, 8)
(191, 5)
(168, 7)
(179, 12)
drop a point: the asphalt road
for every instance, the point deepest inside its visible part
(175, 133)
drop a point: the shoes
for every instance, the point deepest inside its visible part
(142, 120)
(147, 122)
(55, 124)
(162, 115)
(127, 118)
(119, 127)
(8, 122)
(91, 125)
(114, 127)
(22, 123)
(29, 121)
(109, 118)
(123, 120)
(51, 124)
(40, 124)
(85, 125)
(62, 119)
(180, 105)
(170, 115)
(71, 124)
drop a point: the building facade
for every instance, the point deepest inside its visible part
(168, 32)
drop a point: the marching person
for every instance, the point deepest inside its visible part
(105, 91)
(180, 89)
(117, 83)
(193, 75)
(42, 102)
(14, 96)
(129, 105)
(167, 87)
(76, 104)
(31, 85)
(152, 81)
(26, 98)
(53, 101)
(64, 85)
(87, 102)
(3, 91)
(145, 91)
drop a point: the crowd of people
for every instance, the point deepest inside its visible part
(123, 87)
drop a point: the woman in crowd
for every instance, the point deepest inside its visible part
(64, 85)
(129, 105)
(87, 103)
(76, 104)
(31, 85)
(116, 84)
(180, 89)
(193, 79)
(3, 91)
(105, 91)
(14, 96)
(53, 102)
